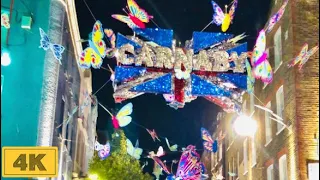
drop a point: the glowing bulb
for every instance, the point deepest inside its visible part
(245, 126)
(5, 59)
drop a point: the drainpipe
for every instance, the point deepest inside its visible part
(8, 32)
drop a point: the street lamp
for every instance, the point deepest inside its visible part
(245, 126)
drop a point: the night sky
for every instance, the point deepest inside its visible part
(180, 126)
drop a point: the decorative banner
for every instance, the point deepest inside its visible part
(157, 66)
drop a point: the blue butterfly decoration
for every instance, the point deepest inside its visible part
(46, 44)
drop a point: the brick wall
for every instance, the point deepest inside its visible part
(284, 142)
(306, 30)
(299, 25)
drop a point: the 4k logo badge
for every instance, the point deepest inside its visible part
(29, 161)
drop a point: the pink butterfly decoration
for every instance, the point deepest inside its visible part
(276, 17)
(153, 134)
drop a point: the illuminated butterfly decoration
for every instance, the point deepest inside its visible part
(303, 56)
(134, 151)
(160, 153)
(46, 44)
(158, 161)
(92, 55)
(123, 117)
(209, 144)
(153, 134)
(110, 52)
(157, 171)
(103, 150)
(250, 78)
(276, 17)
(136, 18)
(224, 19)
(261, 67)
(144, 165)
(189, 166)
(5, 20)
(172, 148)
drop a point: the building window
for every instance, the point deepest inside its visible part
(283, 175)
(238, 163)
(268, 126)
(313, 171)
(270, 172)
(253, 153)
(280, 107)
(286, 35)
(212, 160)
(220, 148)
(252, 101)
(245, 156)
(229, 170)
(233, 167)
(277, 49)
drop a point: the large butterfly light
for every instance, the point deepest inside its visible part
(189, 167)
(92, 55)
(261, 67)
(46, 44)
(136, 18)
(123, 117)
(103, 150)
(224, 19)
(134, 151)
(303, 56)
